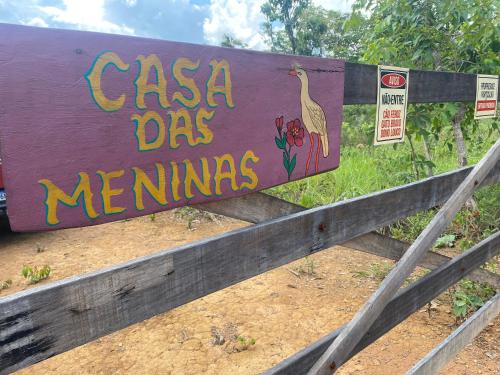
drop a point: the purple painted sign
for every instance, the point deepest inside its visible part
(96, 128)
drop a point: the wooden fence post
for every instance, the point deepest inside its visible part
(337, 353)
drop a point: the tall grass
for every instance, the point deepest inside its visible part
(365, 169)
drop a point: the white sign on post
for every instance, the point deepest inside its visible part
(486, 96)
(392, 104)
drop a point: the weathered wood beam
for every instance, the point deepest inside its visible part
(260, 207)
(339, 350)
(50, 319)
(405, 303)
(448, 349)
(360, 86)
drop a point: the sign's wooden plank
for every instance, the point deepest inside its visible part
(337, 353)
(434, 361)
(405, 303)
(260, 207)
(96, 128)
(83, 308)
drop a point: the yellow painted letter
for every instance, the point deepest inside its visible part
(207, 135)
(107, 192)
(54, 195)
(220, 175)
(174, 180)
(186, 130)
(191, 176)
(213, 88)
(247, 171)
(93, 77)
(141, 180)
(185, 82)
(143, 87)
(140, 130)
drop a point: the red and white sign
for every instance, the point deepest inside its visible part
(486, 96)
(392, 94)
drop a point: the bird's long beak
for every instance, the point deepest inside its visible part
(292, 72)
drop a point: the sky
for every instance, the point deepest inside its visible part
(194, 21)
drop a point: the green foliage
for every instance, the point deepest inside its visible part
(232, 42)
(35, 274)
(287, 14)
(448, 240)
(298, 27)
(468, 297)
(459, 36)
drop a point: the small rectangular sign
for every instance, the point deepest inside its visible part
(392, 95)
(98, 128)
(486, 96)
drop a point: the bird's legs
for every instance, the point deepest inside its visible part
(317, 154)
(311, 140)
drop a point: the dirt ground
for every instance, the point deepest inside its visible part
(282, 310)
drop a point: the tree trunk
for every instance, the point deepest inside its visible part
(427, 152)
(461, 148)
(414, 158)
(459, 137)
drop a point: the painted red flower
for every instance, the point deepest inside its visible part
(279, 123)
(294, 133)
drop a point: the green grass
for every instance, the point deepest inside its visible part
(365, 169)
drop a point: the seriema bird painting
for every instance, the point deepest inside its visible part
(313, 119)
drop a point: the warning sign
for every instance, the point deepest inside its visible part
(392, 94)
(486, 96)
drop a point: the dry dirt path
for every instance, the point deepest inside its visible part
(281, 311)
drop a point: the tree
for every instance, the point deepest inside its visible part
(287, 13)
(458, 35)
(231, 42)
(314, 32)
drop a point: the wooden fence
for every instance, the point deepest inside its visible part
(85, 307)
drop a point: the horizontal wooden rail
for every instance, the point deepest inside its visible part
(260, 207)
(405, 303)
(444, 352)
(44, 321)
(360, 86)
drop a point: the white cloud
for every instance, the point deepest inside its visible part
(36, 21)
(242, 19)
(238, 18)
(85, 15)
(343, 6)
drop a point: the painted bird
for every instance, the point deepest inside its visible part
(313, 117)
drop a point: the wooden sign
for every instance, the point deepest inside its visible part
(96, 128)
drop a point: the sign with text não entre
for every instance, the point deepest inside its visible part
(97, 128)
(392, 104)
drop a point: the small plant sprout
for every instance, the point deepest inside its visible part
(306, 268)
(5, 284)
(244, 343)
(40, 248)
(35, 274)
